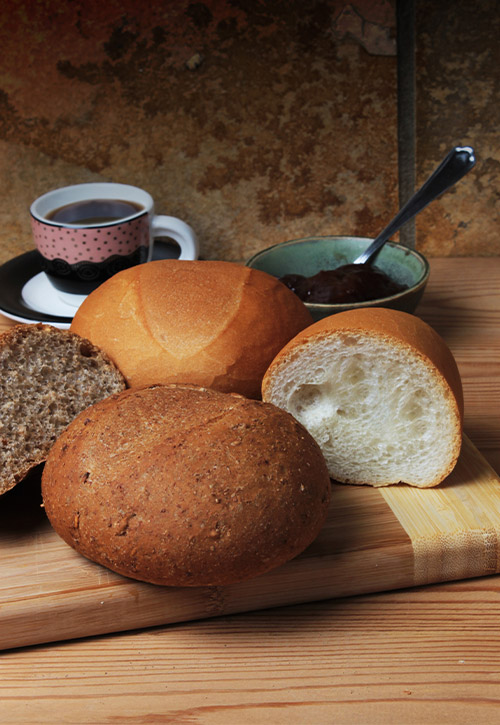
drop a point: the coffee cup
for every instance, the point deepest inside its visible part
(87, 232)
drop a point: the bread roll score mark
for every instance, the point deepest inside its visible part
(213, 324)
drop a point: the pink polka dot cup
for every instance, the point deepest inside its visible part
(87, 232)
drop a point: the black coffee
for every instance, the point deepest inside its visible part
(94, 211)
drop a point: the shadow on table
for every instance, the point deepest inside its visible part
(21, 507)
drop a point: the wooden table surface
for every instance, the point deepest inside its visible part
(427, 655)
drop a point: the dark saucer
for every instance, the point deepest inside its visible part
(14, 274)
(18, 272)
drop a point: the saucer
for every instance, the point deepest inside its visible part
(25, 271)
(26, 294)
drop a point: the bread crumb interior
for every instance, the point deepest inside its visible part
(379, 413)
(46, 380)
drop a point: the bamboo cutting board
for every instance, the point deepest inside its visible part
(374, 540)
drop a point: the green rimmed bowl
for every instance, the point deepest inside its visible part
(312, 254)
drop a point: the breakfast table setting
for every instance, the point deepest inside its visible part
(341, 603)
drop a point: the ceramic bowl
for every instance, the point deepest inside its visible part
(312, 254)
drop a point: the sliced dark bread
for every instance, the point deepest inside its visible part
(47, 377)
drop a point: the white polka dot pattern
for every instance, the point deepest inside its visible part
(91, 244)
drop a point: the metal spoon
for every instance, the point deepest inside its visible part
(451, 169)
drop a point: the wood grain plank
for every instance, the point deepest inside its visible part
(414, 656)
(49, 592)
(363, 547)
(455, 527)
(418, 657)
(373, 540)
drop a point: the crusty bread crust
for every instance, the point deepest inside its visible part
(47, 377)
(209, 323)
(407, 335)
(185, 486)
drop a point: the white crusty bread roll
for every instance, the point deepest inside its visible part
(209, 323)
(380, 392)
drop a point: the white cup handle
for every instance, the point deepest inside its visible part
(179, 231)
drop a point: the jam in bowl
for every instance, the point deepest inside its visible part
(321, 272)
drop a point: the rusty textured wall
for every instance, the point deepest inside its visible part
(253, 121)
(458, 101)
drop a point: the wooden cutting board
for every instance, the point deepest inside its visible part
(374, 540)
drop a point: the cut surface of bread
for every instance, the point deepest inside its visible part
(47, 377)
(383, 403)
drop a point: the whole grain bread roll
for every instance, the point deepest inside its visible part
(380, 392)
(209, 323)
(47, 377)
(186, 486)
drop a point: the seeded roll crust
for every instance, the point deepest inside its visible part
(185, 486)
(380, 392)
(47, 377)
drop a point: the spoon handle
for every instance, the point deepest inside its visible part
(451, 169)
